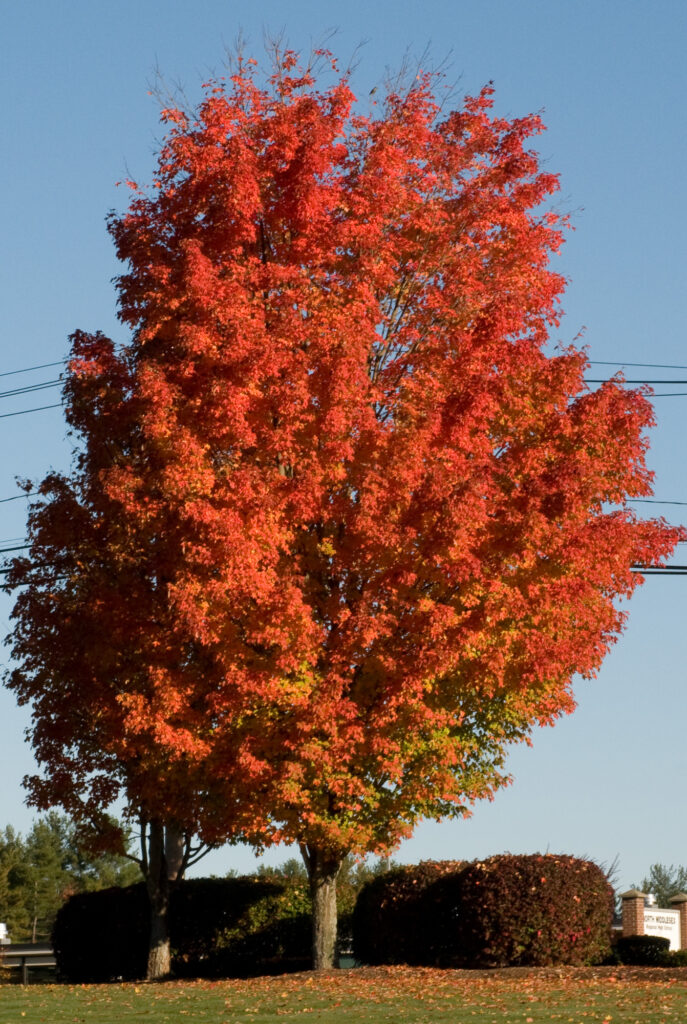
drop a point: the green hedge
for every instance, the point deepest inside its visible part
(644, 950)
(534, 910)
(102, 935)
(223, 927)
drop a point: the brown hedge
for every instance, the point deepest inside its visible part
(393, 915)
(526, 910)
(530, 910)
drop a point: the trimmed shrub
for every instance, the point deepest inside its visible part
(102, 935)
(237, 927)
(646, 951)
(533, 910)
(394, 915)
(219, 927)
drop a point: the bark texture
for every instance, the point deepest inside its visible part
(323, 869)
(174, 852)
(159, 956)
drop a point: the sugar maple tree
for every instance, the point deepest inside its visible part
(101, 656)
(372, 528)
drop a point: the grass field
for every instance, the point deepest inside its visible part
(369, 995)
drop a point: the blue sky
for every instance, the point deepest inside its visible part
(610, 80)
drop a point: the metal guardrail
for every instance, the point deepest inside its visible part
(25, 955)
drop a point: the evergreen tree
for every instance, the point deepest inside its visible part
(39, 873)
(664, 881)
(13, 909)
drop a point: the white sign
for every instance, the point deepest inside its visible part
(663, 922)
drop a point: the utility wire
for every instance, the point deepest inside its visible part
(22, 412)
(657, 568)
(66, 359)
(634, 501)
(652, 501)
(634, 568)
(35, 387)
(663, 394)
(28, 369)
(678, 571)
(57, 405)
(31, 494)
(592, 362)
(605, 381)
(649, 366)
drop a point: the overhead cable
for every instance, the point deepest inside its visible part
(22, 412)
(31, 387)
(28, 369)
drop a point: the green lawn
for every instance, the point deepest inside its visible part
(415, 996)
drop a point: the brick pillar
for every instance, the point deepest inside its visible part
(679, 902)
(633, 912)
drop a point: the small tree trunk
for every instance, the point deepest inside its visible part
(323, 868)
(174, 852)
(159, 957)
(34, 925)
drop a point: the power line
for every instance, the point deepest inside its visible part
(606, 381)
(28, 369)
(654, 501)
(649, 366)
(633, 501)
(657, 568)
(4, 415)
(31, 387)
(592, 362)
(634, 568)
(66, 359)
(678, 571)
(663, 394)
(31, 494)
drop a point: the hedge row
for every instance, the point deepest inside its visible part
(219, 927)
(395, 916)
(648, 951)
(536, 910)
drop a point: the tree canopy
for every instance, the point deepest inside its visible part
(341, 526)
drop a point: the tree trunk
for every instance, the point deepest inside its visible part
(174, 852)
(159, 957)
(34, 925)
(323, 868)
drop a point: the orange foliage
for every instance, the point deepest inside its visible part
(340, 528)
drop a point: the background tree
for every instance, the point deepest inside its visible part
(38, 873)
(369, 526)
(13, 906)
(664, 881)
(93, 616)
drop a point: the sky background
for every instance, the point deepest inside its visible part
(610, 80)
